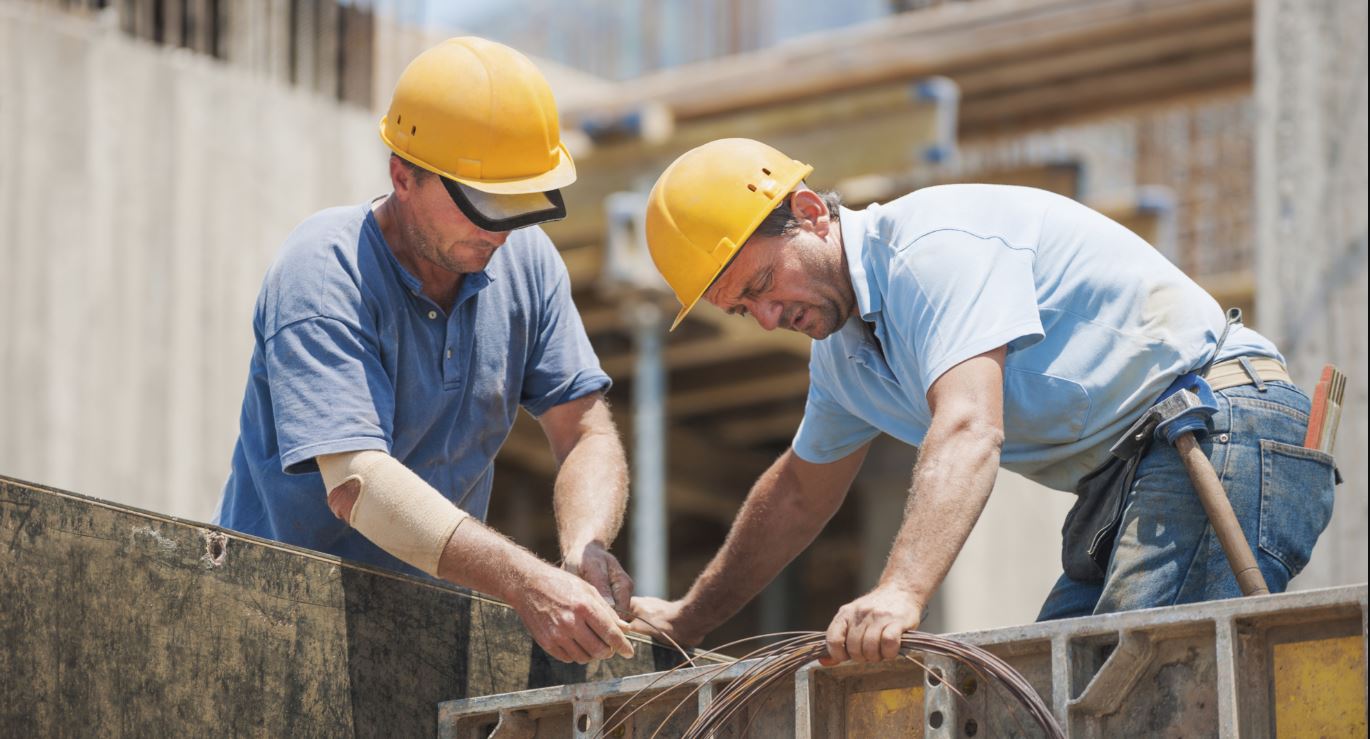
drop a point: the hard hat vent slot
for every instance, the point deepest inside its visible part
(413, 130)
(752, 188)
(399, 119)
(765, 171)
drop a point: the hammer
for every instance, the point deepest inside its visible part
(1182, 412)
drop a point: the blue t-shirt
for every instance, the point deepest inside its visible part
(350, 356)
(1097, 323)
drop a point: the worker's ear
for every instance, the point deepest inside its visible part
(810, 210)
(403, 179)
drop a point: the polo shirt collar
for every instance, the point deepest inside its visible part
(471, 284)
(853, 229)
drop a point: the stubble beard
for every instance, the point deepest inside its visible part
(426, 247)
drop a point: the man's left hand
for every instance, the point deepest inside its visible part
(594, 564)
(869, 628)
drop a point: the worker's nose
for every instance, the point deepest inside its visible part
(768, 314)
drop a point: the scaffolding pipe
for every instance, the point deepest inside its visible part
(649, 454)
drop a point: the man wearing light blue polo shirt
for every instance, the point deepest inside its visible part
(397, 340)
(988, 326)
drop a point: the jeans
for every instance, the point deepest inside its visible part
(1166, 553)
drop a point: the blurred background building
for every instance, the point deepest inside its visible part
(154, 154)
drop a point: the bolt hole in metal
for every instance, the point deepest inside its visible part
(968, 686)
(934, 678)
(972, 728)
(935, 719)
(583, 722)
(216, 548)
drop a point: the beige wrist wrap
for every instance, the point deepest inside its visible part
(395, 508)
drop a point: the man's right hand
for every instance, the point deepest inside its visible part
(569, 618)
(656, 617)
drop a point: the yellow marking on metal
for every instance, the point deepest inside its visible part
(891, 712)
(1320, 688)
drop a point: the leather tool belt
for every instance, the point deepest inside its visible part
(1092, 524)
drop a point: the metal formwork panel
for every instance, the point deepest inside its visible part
(117, 622)
(1286, 665)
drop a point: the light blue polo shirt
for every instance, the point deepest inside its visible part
(350, 356)
(1096, 321)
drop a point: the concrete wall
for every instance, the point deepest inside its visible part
(1311, 191)
(143, 192)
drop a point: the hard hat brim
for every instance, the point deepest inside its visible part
(786, 189)
(686, 308)
(562, 175)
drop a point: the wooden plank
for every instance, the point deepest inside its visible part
(912, 129)
(116, 618)
(689, 403)
(941, 41)
(1076, 98)
(753, 430)
(711, 492)
(698, 354)
(1129, 50)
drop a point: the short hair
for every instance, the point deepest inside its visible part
(781, 221)
(414, 169)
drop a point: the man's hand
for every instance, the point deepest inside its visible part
(569, 618)
(869, 628)
(594, 564)
(655, 617)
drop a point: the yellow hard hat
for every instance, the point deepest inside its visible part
(706, 205)
(480, 114)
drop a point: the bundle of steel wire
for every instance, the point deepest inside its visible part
(780, 660)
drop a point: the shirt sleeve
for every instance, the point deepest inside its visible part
(329, 392)
(960, 295)
(561, 364)
(828, 431)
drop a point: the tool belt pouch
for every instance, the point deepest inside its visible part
(1092, 525)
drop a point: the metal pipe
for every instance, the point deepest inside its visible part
(648, 536)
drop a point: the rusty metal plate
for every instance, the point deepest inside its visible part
(1320, 688)
(890, 712)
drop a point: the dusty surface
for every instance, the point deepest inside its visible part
(117, 622)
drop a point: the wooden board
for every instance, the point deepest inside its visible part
(115, 622)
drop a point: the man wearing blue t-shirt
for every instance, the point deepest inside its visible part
(988, 326)
(396, 341)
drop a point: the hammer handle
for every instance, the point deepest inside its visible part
(1221, 516)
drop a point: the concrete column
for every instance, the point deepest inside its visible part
(1311, 230)
(648, 505)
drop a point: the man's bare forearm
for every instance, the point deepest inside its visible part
(591, 489)
(480, 558)
(781, 516)
(952, 482)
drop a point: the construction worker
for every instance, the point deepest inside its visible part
(987, 325)
(396, 341)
